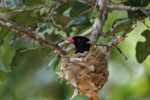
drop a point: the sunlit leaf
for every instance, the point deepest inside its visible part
(143, 48)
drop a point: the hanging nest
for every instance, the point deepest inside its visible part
(86, 72)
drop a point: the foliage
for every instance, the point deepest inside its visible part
(23, 61)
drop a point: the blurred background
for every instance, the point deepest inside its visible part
(28, 72)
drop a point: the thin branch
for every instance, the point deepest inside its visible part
(122, 7)
(30, 49)
(30, 34)
(119, 50)
(26, 9)
(116, 40)
(112, 43)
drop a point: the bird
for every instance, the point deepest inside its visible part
(81, 43)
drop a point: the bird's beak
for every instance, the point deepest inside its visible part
(68, 39)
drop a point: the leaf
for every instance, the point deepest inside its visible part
(43, 26)
(2, 76)
(78, 21)
(78, 8)
(56, 64)
(62, 8)
(20, 56)
(10, 3)
(137, 3)
(33, 2)
(5, 10)
(3, 68)
(62, 20)
(29, 18)
(3, 33)
(143, 48)
(124, 26)
(52, 36)
(52, 61)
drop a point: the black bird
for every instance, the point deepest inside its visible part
(80, 42)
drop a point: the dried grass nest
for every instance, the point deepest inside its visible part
(86, 72)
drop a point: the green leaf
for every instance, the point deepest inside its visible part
(52, 36)
(33, 2)
(78, 8)
(20, 56)
(3, 33)
(62, 20)
(124, 26)
(56, 64)
(143, 48)
(43, 26)
(29, 18)
(2, 76)
(52, 61)
(127, 27)
(62, 8)
(10, 3)
(137, 3)
(3, 68)
(5, 10)
(78, 21)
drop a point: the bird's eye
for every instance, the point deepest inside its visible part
(79, 40)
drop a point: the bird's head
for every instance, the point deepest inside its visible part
(80, 42)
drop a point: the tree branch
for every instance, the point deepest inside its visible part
(122, 7)
(99, 21)
(32, 35)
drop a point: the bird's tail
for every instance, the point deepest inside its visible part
(93, 98)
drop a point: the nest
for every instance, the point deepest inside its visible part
(86, 72)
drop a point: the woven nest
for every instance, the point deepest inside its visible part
(86, 72)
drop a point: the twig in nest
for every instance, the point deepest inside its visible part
(129, 8)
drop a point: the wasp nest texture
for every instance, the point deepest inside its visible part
(86, 72)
